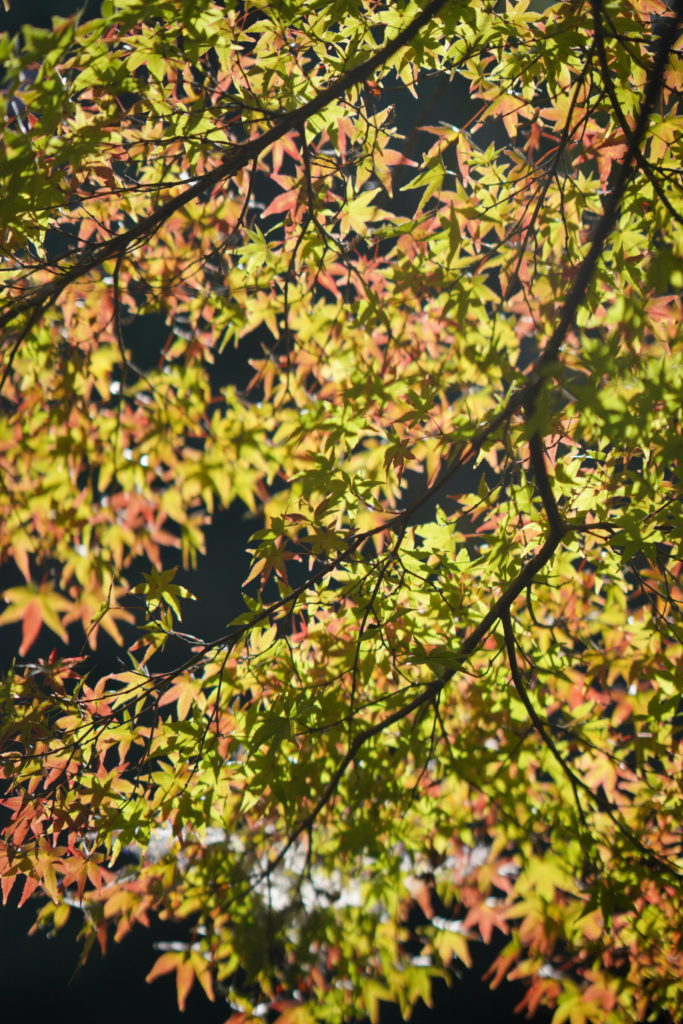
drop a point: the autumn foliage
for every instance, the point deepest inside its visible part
(451, 707)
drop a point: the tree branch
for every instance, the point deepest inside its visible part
(239, 156)
(619, 114)
(525, 396)
(575, 782)
(540, 473)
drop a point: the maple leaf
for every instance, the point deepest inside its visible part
(35, 606)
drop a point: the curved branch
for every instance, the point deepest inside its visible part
(524, 397)
(520, 686)
(466, 451)
(239, 156)
(540, 472)
(619, 114)
(610, 214)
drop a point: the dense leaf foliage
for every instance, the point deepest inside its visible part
(456, 682)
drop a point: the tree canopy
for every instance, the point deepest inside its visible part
(450, 707)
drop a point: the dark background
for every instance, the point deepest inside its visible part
(40, 976)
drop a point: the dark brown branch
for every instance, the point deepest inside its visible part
(239, 156)
(431, 691)
(540, 472)
(608, 221)
(370, 607)
(575, 782)
(522, 398)
(466, 451)
(619, 114)
(577, 293)
(598, 799)
(499, 612)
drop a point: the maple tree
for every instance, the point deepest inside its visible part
(455, 685)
